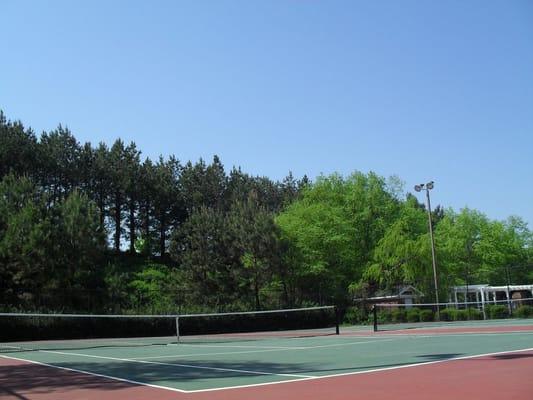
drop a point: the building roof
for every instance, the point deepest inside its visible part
(487, 288)
(403, 292)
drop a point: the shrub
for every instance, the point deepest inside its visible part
(426, 315)
(354, 315)
(460, 315)
(474, 313)
(524, 311)
(498, 311)
(453, 314)
(383, 317)
(446, 314)
(398, 315)
(413, 315)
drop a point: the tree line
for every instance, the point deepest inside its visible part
(99, 228)
(126, 215)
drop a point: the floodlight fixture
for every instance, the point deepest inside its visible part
(429, 186)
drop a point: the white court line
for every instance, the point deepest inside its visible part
(362, 372)
(231, 346)
(385, 338)
(211, 354)
(79, 371)
(174, 364)
(443, 335)
(273, 383)
(263, 351)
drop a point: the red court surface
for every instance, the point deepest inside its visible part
(501, 376)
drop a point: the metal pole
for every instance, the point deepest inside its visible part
(433, 255)
(337, 320)
(508, 290)
(375, 317)
(178, 329)
(466, 295)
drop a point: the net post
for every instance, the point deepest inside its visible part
(375, 317)
(177, 329)
(337, 320)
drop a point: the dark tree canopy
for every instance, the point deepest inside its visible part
(100, 228)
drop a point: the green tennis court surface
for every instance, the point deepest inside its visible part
(192, 367)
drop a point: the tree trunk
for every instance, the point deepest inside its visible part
(101, 207)
(132, 226)
(256, 288)
(162, 236)
(146, 230)
(117, 217)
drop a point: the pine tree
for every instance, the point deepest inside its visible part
(18, 149)
(132, 191)
(118, 165)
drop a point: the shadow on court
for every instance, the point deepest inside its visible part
(512, 356)
(439, 356)
(19, 380)
(24, 381)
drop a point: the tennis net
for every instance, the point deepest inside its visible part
(390, 317)
(26, 332)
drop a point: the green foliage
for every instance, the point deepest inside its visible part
(402, 255)
(460, 315)
(453, 314)
(92, 228)
(18, 149)
(205, 249)
(412, 315)
(149, 290)
(524, 311)
(333, 229)
(426, 315)
(26, 243)
(257, 243)
(230, 257)
(473, 249)
(79, 242)
(398, 315)
(497, 311)
(474, 313)
(44, 247)
(446, 314)
(355, 315)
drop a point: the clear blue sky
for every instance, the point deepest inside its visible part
(426, 90)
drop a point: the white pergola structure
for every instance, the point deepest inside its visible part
(485, 292)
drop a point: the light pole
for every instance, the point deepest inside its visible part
(427, 187)
(508, 290)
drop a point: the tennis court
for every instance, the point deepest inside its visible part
(485, 359)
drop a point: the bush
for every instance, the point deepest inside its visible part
(446, 314)
(398, 315)
(453, 314)
(413, 315)
(460, 315)
(474, 313)
(426, 315)
(524, 311)
(354, 315)
(383, 317)
(498, 311)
